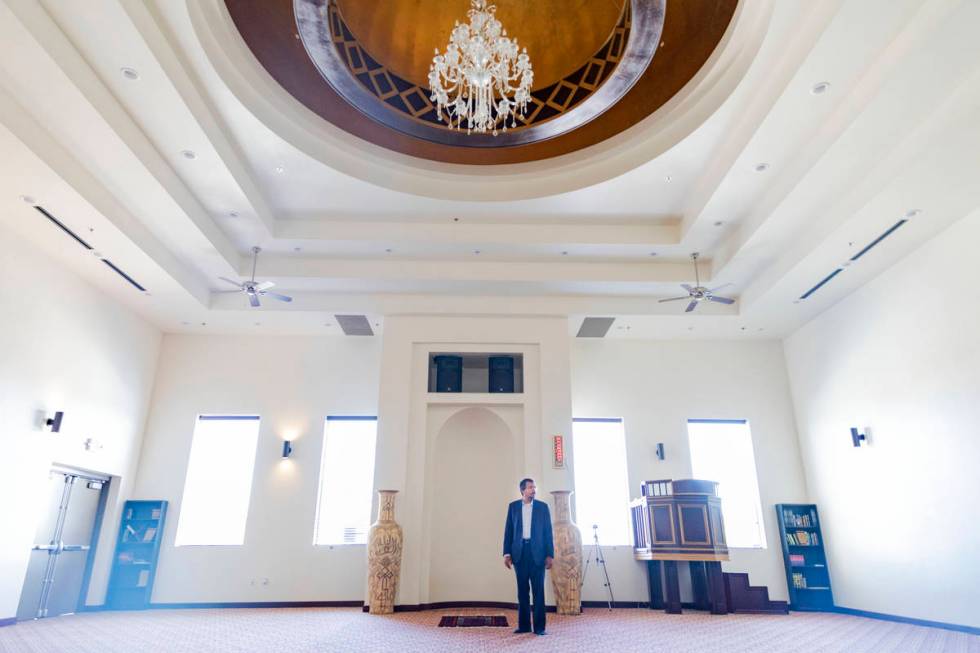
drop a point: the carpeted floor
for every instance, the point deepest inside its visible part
(320, 630)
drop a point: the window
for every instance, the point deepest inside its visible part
(214, 507)
(721, 450)
(602, 493)
(346, 480)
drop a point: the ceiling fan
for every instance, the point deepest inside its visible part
(253, 289)
(699, 293)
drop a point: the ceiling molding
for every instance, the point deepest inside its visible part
(528, 233)
(75, 175)
(152, 28)
(287, 117)
(56, 45)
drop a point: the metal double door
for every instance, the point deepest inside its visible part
(61, 556)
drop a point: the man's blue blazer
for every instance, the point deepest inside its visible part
(542, 542)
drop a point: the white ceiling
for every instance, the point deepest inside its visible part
(605, 231)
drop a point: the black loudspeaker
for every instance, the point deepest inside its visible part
(449, 373)
(501, 374)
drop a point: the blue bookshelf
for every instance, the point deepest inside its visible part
(137, 550)
(804, 557)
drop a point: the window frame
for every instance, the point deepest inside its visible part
(320, 472)
(626, 518)
(210, 417)
(760, 515)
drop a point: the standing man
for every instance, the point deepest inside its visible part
(529, 549)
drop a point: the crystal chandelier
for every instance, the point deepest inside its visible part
(481, 78)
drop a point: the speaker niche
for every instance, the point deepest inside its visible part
(449, 373)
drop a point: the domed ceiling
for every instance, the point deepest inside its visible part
(599, 67)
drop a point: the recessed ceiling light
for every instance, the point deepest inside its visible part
(204, 323)
(761, 167)
(28, 199)
(258, 324)
(653, 253)
(188, 154)
(297, 249)
(667, 179)
(476, 251)
(719, 223)
(820, 88)
(564, 253)
(130, 73)
(186, 323)
(327, 324)
(690, 328)
(760, 329)
(743, 328)
(388, 250)
(233, 214)
(455, 219)
(280, 169)
(911, 213)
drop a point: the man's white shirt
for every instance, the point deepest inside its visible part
(526, 510)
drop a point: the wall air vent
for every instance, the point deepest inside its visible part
(892, 229)
(354, 325)
(78, 239)
(880, 238)
(61, 226)
(822, 282)
(124, 275)
(595, 327)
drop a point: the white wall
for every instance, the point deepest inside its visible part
(292, 383)
(900, 355)
(656, 386)
(67, 347)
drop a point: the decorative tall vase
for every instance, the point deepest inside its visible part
(566, 571)
(384, 556)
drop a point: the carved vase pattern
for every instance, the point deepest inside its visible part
(384, 556)
(566, 571)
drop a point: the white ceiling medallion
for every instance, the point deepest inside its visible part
(482, 78)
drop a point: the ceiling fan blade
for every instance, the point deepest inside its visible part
(724, 285)
(720, 300)
(234, 283)
(691, 306)
(226, 292)
(253, 300)
(265, 285)
(687, 287)
(673, 299)
(282, 298)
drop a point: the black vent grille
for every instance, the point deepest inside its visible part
(60, 225)
(354, 325)
(81, 241)
(867, 248)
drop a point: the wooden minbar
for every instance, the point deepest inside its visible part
(681, 521)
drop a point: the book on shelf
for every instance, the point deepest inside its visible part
(796, 559)
(149, 534)
(155, 514)
(807, 520)
(125, 557)
(799, 581)
(144, 578)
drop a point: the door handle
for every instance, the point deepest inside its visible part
(58, 547)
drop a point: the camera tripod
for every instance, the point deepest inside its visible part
(596, 552)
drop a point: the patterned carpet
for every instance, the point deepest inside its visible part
(321, 630)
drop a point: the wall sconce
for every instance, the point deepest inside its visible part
(660, 450)
(54, 423)
(287, 448)
(857, 438)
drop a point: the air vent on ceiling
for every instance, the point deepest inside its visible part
(354, 325)
(78, 239)
(61, 226)
(864, 251)
(595, 327)
(124, 275)
(880, 238)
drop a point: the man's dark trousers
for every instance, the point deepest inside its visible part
(529, 577)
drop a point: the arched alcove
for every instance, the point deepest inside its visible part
(471, 477)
